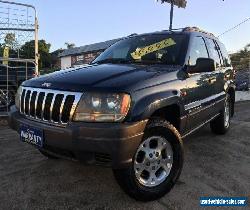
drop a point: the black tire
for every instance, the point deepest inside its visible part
(126, 178)
(46, 154)
(218, 125)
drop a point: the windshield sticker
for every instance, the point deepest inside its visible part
(140, 52)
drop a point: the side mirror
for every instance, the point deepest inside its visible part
(202, 65)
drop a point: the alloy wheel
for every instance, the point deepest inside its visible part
(153, 161)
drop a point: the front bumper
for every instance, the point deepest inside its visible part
(109, 144)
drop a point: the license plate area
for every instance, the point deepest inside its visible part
(31, 135)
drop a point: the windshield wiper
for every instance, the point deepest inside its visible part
(147, 62)
(112, 60)
(126, 61)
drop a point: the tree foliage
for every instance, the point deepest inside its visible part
(163, 1)
(28, 51)
(70, 45)
(241, 59)
(179, 3)
(10, 41)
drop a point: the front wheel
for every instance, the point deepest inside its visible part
(157, 163)
(221, 124)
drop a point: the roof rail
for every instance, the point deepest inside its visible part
(196, 29)
(131, 35)
(174, 29)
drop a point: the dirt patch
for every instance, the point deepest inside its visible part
(242, 96)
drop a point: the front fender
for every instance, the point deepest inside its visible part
(146, 106)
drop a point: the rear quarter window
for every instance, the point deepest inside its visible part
(213, 51)
(225, 56)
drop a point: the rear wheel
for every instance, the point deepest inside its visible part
(157, 163)
(221, 124)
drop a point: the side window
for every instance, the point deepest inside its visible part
(225, 56)
(213, 51)
(198, 50)
(121, 53)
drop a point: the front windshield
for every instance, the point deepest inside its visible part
(146, 49)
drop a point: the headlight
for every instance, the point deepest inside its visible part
(18, 97)
(96, 107)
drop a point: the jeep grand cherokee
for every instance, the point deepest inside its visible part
(131, 107)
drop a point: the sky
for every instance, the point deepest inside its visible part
(85, 22)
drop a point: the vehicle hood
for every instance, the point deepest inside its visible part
(104, 77)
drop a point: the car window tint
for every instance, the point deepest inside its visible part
(120, 52)
(160, 49)
(213, 51)
(198, 50)
(226, 58)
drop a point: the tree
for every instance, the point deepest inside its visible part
(240, 60)
(248, 47)
(10, 40)
(69, 45)
(55, 63)
(1, 50)
(28, 51)
(179, 3)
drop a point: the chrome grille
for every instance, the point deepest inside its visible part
(49, 105)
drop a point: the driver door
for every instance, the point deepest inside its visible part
(199, 87)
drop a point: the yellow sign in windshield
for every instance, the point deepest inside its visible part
(140, 52)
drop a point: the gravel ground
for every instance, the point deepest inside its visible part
(214, 166)
(242, 96)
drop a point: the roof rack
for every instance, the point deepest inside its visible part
(131, 35)
(174, 29)
(196, 29)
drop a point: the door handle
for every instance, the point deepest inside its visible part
(211, 80)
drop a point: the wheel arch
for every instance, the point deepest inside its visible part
(171, 113)
(165, 105)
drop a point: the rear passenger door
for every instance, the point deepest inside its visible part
(227, 69)
(217, 76)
